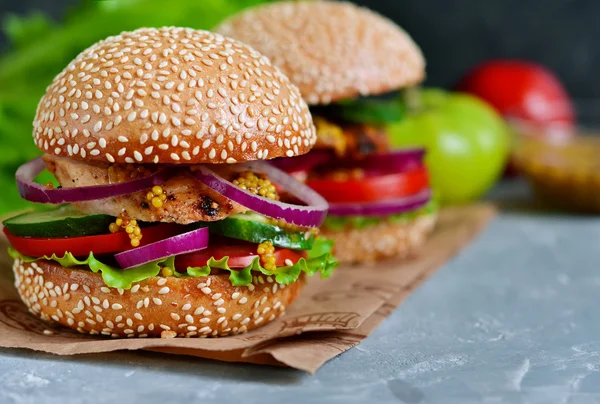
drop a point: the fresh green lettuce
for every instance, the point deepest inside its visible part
(113, 277)
(319, 259)
(370, 111)
(337, 223)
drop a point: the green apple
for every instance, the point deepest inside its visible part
(467, 142)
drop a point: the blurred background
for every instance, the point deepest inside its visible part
(456, 34)
(39, 37)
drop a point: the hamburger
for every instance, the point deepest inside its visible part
(349, 64)
(166, 222)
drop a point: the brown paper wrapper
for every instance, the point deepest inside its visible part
(330, 316)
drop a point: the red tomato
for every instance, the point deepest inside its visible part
(523, 91)
(240, 255)
(372, 188)
(82, 246)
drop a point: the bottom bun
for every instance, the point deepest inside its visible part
(156, 307)
(383, 240)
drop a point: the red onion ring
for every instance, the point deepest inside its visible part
(303, 162)
(394, 161)
(34, 192)
(306, 216)
(381, 208)
(194, 240)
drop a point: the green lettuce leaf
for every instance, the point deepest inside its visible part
(113, 277)
(338, 223)
(319, 259)
(23, 30)
(364, 110)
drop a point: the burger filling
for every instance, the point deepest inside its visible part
(181, 199)
(354, 168)
(200, 220)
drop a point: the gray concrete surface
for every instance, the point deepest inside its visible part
(513, 319)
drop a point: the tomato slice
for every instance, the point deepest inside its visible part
(372, 188)
(82, 246)
(240, 255)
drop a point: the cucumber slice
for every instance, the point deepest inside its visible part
(255, 228)
(63, 221)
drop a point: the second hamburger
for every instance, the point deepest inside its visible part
(341, 56)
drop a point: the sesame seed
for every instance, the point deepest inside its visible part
(157, 301)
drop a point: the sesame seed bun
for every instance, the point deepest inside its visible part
(383, 240)
(172, 95)
(156, 307)
(331, 50)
